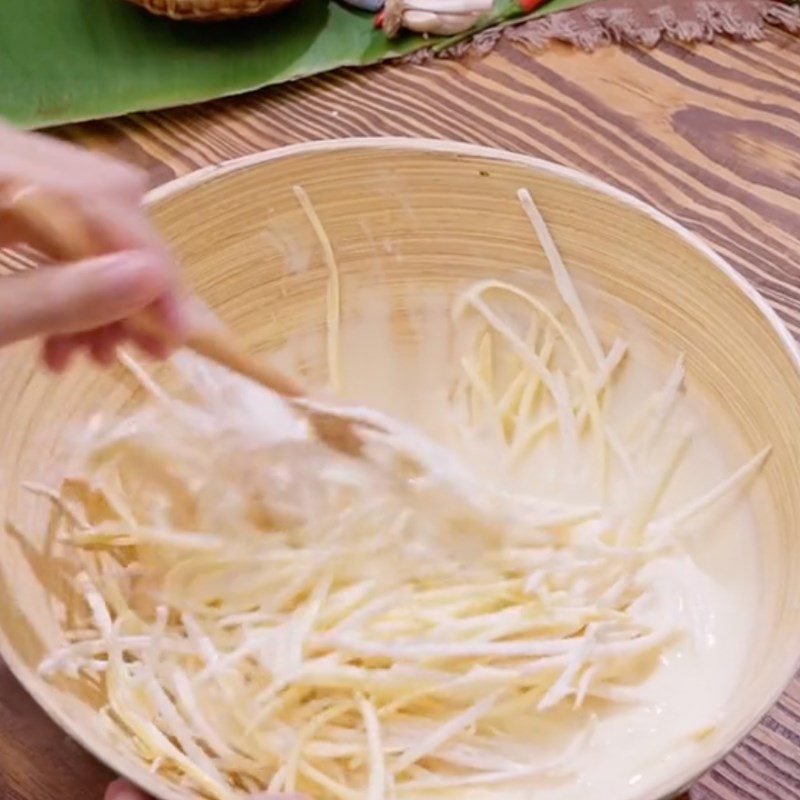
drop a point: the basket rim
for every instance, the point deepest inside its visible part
(210, 10)
(668, 787)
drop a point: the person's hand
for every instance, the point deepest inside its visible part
(85, 304)
(124, 790)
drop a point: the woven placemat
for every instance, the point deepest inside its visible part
(641, 23)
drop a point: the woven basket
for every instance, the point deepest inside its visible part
(207, 10)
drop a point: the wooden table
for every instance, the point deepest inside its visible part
(710, 135)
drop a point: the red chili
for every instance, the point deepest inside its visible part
(379, 19)
(529, 5)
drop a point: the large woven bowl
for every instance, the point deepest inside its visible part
(418, 215)
(207, 10)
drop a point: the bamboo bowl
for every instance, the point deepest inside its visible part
(449, 212)
(209, 10)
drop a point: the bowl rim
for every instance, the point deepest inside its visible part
(668, 787)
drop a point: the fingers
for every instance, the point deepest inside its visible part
(79, 298)
(121, 231)
(172, 311)
(105, 199)
(13, 230)
(63, 168)
(103, 343)
(58, 350)
(105, 194)
(123, 790)
(116, 228)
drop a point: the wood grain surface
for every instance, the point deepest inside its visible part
(710, 135)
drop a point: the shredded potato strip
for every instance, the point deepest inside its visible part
(334, 291)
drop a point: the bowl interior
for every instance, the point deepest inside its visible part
(414, 216)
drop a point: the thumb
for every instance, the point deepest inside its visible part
(78, 297)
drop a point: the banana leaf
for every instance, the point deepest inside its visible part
(72, 60)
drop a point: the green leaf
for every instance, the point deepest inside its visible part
(71, 60)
